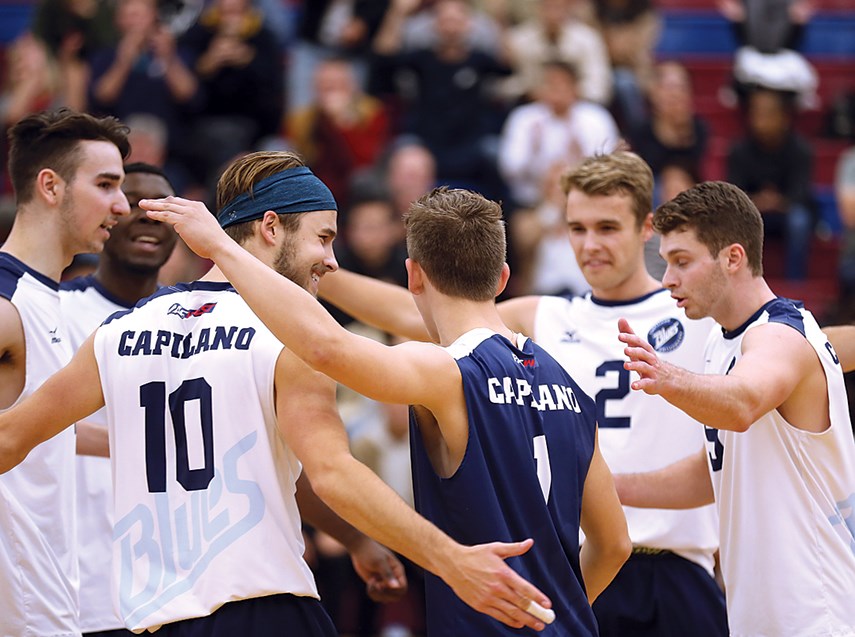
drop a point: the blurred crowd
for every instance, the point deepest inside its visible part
(387, 98)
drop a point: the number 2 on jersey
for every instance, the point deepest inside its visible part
(613, 393)
(153, 400)
(544, 471)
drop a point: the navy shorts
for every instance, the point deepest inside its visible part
(661, 595)
(286, 615)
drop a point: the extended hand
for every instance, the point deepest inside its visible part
(196, 225)
(642, 359)
(482, 579)
(381, 571)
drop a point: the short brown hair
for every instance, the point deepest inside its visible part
(720, 214)
(618, 173)
(51, 139)
(243, 174)
(458, 238)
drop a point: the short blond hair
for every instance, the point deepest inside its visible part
(618, 173)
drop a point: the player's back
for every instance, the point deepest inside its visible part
(531, 439)
(205, 510)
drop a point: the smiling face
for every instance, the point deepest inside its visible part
(137, 243)
(92, 202)
(306, 254)
(695, 278)
(608, 244)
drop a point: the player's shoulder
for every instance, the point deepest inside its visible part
(13, 271)
(184, 300)
(777, 312)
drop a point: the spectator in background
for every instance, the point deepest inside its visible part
(145, 72)
(372, 241)
(556, 129)
(773, 165)
(555, 34)
(484, 34)
(769, 32)
(630, 29)
(73, 31)
(31, 80)
(448, 109)
(844, 189)
(149, 141)
(239, 65)
(342, 131)
(410, 173)
(544, 264)
(330, 27)
(673, 133)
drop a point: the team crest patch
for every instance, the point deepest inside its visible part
(667, 335)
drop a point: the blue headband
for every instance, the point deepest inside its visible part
(292, 190)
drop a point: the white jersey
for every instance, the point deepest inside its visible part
(787, 503)
(204, 485)
(637, 432)
(38, 556)
(85, 305)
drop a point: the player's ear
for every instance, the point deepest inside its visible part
(415, 277)
(49, 185)
(269, 227)
(735, 257)
(647, 227)
(503, 279)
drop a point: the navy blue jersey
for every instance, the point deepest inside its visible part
(531, 438)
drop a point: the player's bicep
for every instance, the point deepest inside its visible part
(409, 373)
(306, 411)
(766, 379)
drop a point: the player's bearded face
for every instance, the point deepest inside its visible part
(286, 264)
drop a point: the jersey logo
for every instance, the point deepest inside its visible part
(184, 313)
(667, 335)
(569, 336)
(54, 338)
(528, 362)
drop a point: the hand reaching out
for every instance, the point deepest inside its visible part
(643, 360)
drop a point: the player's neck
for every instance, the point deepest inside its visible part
(741, 302)
(214, 275)
(638, 285)
(455, 317)
(38, 245)
(125, 284)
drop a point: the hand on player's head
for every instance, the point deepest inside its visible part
(192, 220)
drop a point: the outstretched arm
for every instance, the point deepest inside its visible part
(607, 544)
(311, 426)
(684, 484)
(757, 384)
(842, 339)
(72, 393)
(378, 567)
(383, 305)
(409, 373)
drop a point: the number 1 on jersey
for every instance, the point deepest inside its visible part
(544, 471)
